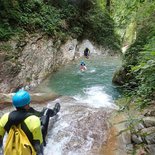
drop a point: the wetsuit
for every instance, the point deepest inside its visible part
(33, 123)
(86, 52)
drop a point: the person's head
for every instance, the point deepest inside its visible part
(82, 63)
(21, 99)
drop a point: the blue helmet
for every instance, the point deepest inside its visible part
(21, 98)
(82, 63)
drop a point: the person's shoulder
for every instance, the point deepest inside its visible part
(5, 115)
(32, 122)
(4, 119)
(33, 117)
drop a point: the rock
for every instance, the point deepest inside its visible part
(140, 151)
(149, 135)
(6, 99)
(136, 139)
(150, 113)
(139, 126)
(149, 121)
(2, 57)
(151, 149)
(129, 148)
(42, 97)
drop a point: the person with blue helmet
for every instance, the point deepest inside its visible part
(34, 123)
(83, 66)
(82, 63)
(21, 98)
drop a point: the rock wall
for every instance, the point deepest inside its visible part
(34, 57)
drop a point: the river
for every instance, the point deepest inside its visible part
(87, 100)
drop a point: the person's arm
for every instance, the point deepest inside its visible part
(38, 147)
(35, 112)
(38, 139)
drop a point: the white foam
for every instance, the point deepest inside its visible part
(96, 97)
(92, 71)
(55, 147)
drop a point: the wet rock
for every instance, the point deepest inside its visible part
(43, 97)
(120, 76)
(80, 129)
(6, 99)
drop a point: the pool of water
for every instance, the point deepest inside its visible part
(81, 127)
(93, 85)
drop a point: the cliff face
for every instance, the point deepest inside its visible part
(30, 60)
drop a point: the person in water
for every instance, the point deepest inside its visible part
(83, 66)
(26, 116)
(86, 53)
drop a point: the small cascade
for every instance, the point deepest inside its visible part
(81, 127)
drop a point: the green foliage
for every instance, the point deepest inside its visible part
(59, 19)
(31, 15)
(5, 32)
(145, 72)
(142, 66)
(139, 59)
(130, 12)
(100, 28)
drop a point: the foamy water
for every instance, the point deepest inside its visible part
(81, 127)
(96, 97)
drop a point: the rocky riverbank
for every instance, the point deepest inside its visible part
(134, 132)
(143, 135)
(28, 61)
(36, 98)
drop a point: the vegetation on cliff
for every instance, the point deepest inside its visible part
(139, 60)
(59, 19)
(133, 21)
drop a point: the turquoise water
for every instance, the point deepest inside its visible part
(73, 132)
(70, 81)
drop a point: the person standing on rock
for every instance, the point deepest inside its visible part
(33, 123)
(86, 53)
